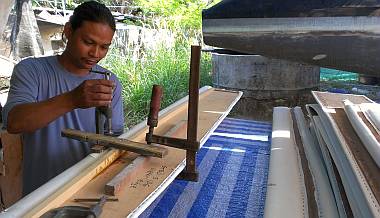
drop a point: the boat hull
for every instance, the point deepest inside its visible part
(350, 43)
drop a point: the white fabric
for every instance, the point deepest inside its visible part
(372, 113)
(286, 194)
(357, 190)
(323, 192)
(361, 129)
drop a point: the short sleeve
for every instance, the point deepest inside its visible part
(23, 88)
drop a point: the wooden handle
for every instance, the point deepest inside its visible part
(154, 105)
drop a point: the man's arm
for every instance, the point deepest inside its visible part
(29, 117)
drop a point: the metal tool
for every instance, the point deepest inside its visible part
(93, 199)
(106, 111)
(77, 211)
(191, 145)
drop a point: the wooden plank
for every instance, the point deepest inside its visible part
(334, 100)
(11, 179)
(119, 143)
(124, 176)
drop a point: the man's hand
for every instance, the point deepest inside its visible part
(32, 116)
(92, 93)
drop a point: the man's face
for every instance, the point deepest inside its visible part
(88, 44)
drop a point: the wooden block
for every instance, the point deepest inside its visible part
(11, 179)
(121, 179)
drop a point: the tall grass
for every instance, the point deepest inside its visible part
(166, 66)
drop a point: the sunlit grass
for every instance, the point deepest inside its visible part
(166, 66)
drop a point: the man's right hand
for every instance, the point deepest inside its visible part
(92, 93)
(29, 117)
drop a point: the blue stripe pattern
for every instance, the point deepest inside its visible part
(246, 159)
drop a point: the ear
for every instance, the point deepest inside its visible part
(67, 30)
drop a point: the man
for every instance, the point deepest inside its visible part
(52, 93)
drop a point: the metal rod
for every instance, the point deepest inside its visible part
(93, 199)
(107, 76)
(107, 110)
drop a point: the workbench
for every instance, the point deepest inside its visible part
(88, 178)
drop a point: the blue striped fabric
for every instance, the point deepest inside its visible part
(233, 171)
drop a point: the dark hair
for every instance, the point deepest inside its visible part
(92, 11)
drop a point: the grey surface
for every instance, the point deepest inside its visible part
(289, 8)
(346, 43)
(265, 83)
(357, 198)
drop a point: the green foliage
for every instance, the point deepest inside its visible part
(168, 67)
(179, 14)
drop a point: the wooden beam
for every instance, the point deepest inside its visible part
(11, 177)
(113, 142)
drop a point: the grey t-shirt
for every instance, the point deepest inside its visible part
(46, 153)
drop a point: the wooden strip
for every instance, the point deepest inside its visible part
(308, 177)
(334, 100)
(119, 143)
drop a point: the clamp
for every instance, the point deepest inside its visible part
(106, 111)
(191, 145)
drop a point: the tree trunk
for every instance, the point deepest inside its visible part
(25, 38)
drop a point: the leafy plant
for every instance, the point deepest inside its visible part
(168, 67)
(182, 15)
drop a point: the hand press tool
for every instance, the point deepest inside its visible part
(106, 111)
